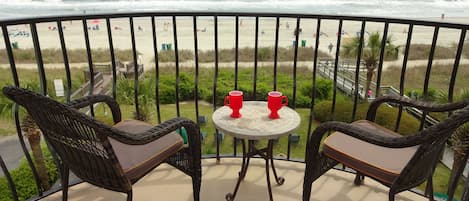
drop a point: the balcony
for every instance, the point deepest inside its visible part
(164, 65)
(220, 178)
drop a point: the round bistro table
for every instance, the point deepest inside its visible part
(254, 124)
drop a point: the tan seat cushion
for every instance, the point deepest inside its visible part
(137, 160)
(382, 163)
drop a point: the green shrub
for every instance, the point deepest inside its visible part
(24, 180)
(186, 87)
(125, 91)
(226, 83)
(303, 101)
(166, 94)
(323, 89)
(343, 111)
(432, 94)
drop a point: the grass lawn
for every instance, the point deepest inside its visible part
(440, 181)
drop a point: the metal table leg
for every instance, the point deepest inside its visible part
(241, 173)
(279, 180)
(266, 154)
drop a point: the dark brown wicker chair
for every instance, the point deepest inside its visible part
(110, 157)
(399, 162)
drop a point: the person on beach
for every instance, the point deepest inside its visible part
(330, 47)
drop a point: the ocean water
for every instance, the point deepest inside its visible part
(382, 8)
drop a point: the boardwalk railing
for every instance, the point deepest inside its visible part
(214, 32)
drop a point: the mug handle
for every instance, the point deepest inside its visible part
(286, 100)
(224, 101)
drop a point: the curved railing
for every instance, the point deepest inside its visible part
(313, 28)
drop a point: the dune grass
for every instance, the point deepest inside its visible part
(439, 77)
(422, 51)
(244, 55)
(26, 56)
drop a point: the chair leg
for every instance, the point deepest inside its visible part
(129, 195)
(429, 188)
(391, 196)
(307, 185)
(359, 179)
(64, 182)
(196, 182)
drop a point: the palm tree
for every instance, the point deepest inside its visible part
(6, 107)
(33, 134)
(145, 96)
(370, 53)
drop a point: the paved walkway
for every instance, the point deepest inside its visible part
(11, 151)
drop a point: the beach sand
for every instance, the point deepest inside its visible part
(74, 37)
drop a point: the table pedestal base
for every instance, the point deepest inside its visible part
(266, 154)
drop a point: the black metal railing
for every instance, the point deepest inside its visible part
(314, 60)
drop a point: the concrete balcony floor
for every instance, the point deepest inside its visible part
(166, 183)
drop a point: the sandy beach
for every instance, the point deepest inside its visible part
(73, 30)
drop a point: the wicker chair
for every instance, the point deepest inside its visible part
(399, 162)
(110, 157)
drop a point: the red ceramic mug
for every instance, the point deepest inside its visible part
(234, 100)
(275, 103)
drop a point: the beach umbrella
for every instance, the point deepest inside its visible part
(95, 21)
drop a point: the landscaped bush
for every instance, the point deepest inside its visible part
(24, 180)
(225, 83)
(323, 89)
(432, 94)
(125, 91)
(386, 116)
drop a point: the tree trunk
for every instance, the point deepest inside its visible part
(369, 76)
(34, 138)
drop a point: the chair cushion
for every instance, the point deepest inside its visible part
(137, 160)
(381, 163)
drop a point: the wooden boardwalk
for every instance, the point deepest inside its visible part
(345, 76)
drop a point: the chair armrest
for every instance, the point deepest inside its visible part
(404, 101)
(92, 99)
(158, 131)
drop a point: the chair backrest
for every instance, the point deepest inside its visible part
(79, 140)
(423, 163)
